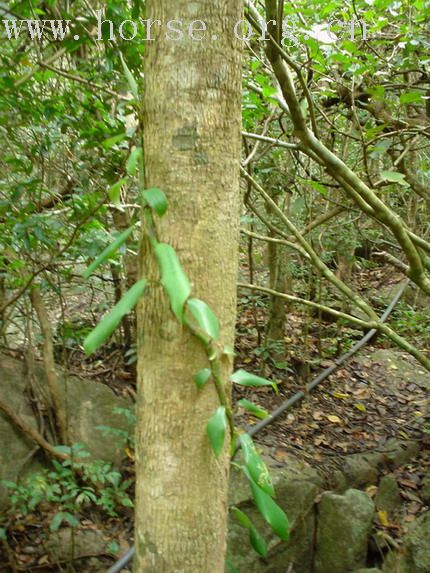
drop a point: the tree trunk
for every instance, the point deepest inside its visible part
(192, 119)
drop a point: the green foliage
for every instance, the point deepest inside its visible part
(205, 318)
(216, 428)
(110, 322)
(173, 278)
(255, 538)
(202, 377)
(243, 378)
(124, 438)
(108, 252)
(156, 200)
(69, 487)
(253, 409)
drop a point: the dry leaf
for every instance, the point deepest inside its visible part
(383, 518)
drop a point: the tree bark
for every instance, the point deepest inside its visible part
(192, 117)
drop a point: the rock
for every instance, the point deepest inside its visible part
(66, 544)
(359, 472)
(400, 367)
(89, 404)
(297, 485)
(88, 544)
(388, 497)
(396, 453)
(343, 530)
(414, 555)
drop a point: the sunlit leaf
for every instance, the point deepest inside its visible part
(255, 465)
(173, 278)
(202, 377)
(253, 409)
(109, 323)
(257, 541)
(108, 252)
(114, 191)
(244, 378)
(132, 160)
(131, 81)
(205, 317)
(216, 430)
(156, 199)
(270, 510)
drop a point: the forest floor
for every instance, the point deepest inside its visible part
(376, 396)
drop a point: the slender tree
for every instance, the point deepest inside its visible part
(191, 117)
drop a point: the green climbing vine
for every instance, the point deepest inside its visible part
(202, 322)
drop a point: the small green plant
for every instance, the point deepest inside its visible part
(70, 486)
(125, 438)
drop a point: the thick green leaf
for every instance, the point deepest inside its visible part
(253, 409)
(114, 191)
(108, 143)
(202, 377)
(269, 509)
(108, 324)
(411, 97)
(173, 278)
(257, 541)
(205, 317)
(108, 252)
(61, 516)
(394, 177)
(156, 199)
(131, 81)
(255, 465)
(132, 160)
(244, 378)
(216, 430)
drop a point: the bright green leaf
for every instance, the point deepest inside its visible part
(61, 516)
(108, 252)
(133, 159)
(244, 378)
(156, 199)
(114, 191)
(205, 317)
(253, 409)
(411, 97)
(255, 465)
(109, 323)
(257, 541)
(394, 177)
(269, 509)
(202, 377)
(108, 143)
(131, 81)
(216, 430)
(173, 278)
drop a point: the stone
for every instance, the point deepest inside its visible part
(297, 486)
(359, 472)
(343, 530)
(388, 497)
(414, 555)
(66, 543)
(396, 453)
(81, 549)
(89, 404)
